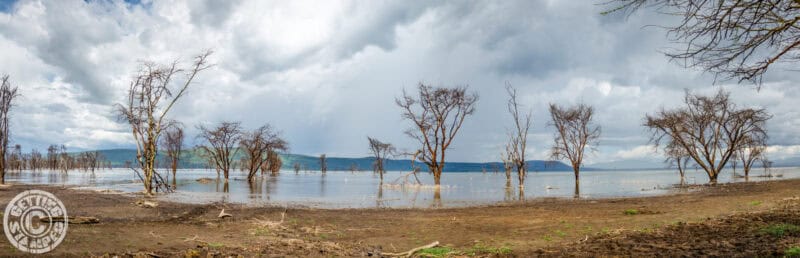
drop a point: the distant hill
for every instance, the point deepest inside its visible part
(191, 159)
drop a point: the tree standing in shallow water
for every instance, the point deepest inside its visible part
(574, 132)
(7, 95)
(710, 129)
(437, 115)
(149, 101)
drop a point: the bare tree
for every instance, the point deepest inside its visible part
(751, 150)
(677, 155)
(508, 165)
(735, 39)
(380, 151)
(574, 132)
(437, 115)
(257, 145)
(150, 98)
(221, 144)
(52, 157)
(274, 162)
(518, 136)
(36, 160)
(709, 129)
(323, 163)
(65, 160)
(8, 93)
(173, 142)
(15, 161)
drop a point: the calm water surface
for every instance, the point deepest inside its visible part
(338, 189)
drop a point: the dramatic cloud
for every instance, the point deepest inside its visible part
(327, 73)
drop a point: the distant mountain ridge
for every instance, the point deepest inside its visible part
(192, 159)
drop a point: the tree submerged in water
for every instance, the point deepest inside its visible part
(709, 130)
(437, 115)
(150, 98)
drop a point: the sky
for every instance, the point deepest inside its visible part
(326, 73)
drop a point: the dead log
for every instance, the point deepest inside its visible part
(72, 220)
(223, 215)
(147, 204)
(411, 252)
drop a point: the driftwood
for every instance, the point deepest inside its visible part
(223, 214)
(411, 252)
(72, 220)
(205, 180)
(147, 204)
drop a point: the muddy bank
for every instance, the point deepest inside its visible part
(549, 227)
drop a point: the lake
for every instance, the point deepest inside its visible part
(345, 189)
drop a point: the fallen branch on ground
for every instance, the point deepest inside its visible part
(72, 220)
(411, 252)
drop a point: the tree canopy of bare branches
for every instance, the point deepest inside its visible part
(517, 136)
(574, 132)
(753, 149)
(274, 162)
(151, 96)
(380, 151)
(257, 146)
(437, 115)
(677, 156)
(220, 146)
(735, 39)
(8, 93)
(709, 129)
(173, 142)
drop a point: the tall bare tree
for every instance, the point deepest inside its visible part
(517, 136)
(257, 145)
(380, 151)
(173, 142)
(221, 144)
(735, 39)
(709, 129)
(574, 132)
(437, 115)
(8, 93)
(150, 98)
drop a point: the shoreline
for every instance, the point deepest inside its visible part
(522, 229)
(424, 201)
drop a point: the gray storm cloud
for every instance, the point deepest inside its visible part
(327, 73)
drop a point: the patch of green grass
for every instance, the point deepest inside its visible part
(793, 252)
(261, 232)
(547, 238)
(439, 251)
(780, 229)
(560, 233)
(631, 212)
(215, 245)
(482, 249)
(754, 203)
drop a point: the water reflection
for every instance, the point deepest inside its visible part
(358, 189)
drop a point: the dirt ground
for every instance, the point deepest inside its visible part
(723, 220)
